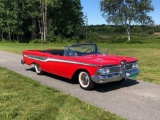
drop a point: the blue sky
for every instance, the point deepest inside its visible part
(92, 9)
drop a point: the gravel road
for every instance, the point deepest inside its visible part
(132, 99)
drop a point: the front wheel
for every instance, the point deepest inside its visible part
(85, 81)
(38, 69)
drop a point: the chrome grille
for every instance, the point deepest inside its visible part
(114, 69)
(129, 66)
(123, 68)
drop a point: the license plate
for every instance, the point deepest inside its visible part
(134, 76)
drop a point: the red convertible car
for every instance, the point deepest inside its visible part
(84, 62)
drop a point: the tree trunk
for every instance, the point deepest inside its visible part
(2, 36)
(17, 37)
(33, 32)
(40, 28)
(128, 33)
(9, 35)
(44, 20)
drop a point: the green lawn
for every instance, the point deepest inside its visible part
(22, 98)
(148, 55)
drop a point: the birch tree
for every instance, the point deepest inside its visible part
(127, 12)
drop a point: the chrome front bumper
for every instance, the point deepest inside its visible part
(114, 77)
(22, 62)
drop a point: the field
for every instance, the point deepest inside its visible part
(147, 53)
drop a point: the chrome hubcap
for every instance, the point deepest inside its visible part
(37, 68)
(84, 79)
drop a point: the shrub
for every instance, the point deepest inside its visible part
(38, 41)
(137, 29)
(118, 39)
(8, 41)
(150, 31)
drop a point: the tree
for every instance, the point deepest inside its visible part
(127, 12)
(43, 29)
(33, 19)
(65, 17)
(9, 17)
(1, 20)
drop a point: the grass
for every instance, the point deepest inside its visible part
(147, 53)
(18, 47)
(23, 98)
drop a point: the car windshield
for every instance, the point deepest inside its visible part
(82, 49)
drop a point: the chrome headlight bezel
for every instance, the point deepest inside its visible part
(103, 71)
(135, 65)
(108, 70)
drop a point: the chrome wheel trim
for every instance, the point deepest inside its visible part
(84, 79)
(37, 68)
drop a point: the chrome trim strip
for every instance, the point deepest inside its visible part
(44, 59)
(68, 61)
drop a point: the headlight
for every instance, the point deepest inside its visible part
(105, 71)
(108, 70)
(135, 66)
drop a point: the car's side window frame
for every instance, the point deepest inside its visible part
(65, 51)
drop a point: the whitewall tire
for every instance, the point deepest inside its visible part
(38, 69)
(85, 81)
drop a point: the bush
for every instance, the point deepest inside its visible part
(38, 41)
(150, 31)
(8, 41)
(137, 29)
(92, 38)
(113, 40)
(134, 40)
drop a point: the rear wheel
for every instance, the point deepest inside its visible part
(85, 81)
(38, 69)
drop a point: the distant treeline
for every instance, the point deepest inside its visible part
(25, 20)
(55, 20)
(117, 34)
(104, 29)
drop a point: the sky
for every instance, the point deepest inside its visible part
(91, 8)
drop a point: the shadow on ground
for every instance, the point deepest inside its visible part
(55, 77)
(99, 87)
(115, 85)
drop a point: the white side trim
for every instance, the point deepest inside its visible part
(57, 60)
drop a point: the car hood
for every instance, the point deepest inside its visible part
(106, 60)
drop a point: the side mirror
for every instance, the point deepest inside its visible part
(107, 51)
